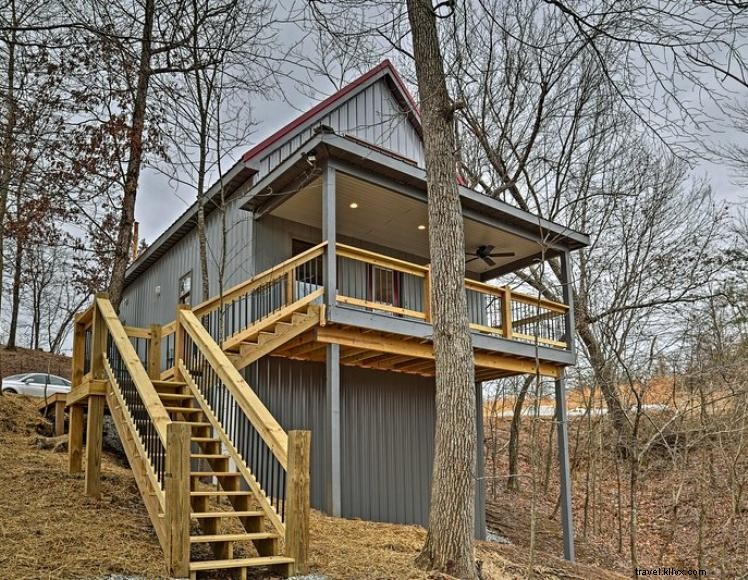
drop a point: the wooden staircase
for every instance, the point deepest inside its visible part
(272, 332)
(209, 494)
(223, 509)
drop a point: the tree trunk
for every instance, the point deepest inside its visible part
(451, 530)
(132, 175)
(512, 480)
(201, 236)
(605, 379)
(6, 161)
(16, 293)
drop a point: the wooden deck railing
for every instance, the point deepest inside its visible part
(275, 466)
(157, 448)
(259, 297)
(380, 283)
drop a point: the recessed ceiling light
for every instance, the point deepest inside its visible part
(353, 205)
(422, 227)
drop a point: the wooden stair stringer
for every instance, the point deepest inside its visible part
(145, 478)
(251, 353)
(247, 474)
(283, 314)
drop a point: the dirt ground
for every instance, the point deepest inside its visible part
(50, 529)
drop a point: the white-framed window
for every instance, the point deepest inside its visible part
(185, 289)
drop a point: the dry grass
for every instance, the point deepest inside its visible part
(49, 529)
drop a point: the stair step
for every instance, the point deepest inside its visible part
(215, 474)
(160, 383)
(205, 439)
(218, 493)
(209, 456)
(196, 424)
(239, 563)
(175, 397)
(238, 514)
(232, 537)
(188, 410)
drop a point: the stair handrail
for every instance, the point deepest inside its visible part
(263, 421)
(274, 272)
(147, 392)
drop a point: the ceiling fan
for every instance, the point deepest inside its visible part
(485, 253)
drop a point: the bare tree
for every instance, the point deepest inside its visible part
(449, 541)
(238, 52)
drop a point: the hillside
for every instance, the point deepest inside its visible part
(56, 532)
(24, 360)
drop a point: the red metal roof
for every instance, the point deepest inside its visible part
(300, 120)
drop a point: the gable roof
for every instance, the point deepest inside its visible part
(245, 168)
(384, 69)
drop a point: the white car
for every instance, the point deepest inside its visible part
(35, 384)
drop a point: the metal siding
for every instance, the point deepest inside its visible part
(387, 438)
(141, 306)
(372, 115)
(387, 433)
(293, 392)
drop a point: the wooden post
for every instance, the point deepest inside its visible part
(290, 284)
(154, 353)
(59, 418)
(297, 499)
(94, 436)
(427, 294)
(177, 491)
(75, 439)
(79, 352)
(506, 313)
(179, 341)
(98, 341)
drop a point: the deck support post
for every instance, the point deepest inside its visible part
(177, 492)
(154, 352)
(480, 467)
(332, 432)
(75, 439)
(59, 418)
(297, 496)
(567, 523)
(329, 234)
(568, 295)
(94, 436)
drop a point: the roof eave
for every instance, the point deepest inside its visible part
(544, 230)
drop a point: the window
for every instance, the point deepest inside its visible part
(310, 273)
(58, 381)
(185, 289)
(37, 379)
(384, 285)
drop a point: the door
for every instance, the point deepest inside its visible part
(57, 385)
(35, 385)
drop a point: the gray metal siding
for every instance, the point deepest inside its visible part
(387, 426)
(387, 433)
(294, 393)
(372, 115)
(141, 305)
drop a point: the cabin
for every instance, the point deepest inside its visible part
(312, 360)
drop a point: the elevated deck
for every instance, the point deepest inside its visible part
(380, 316)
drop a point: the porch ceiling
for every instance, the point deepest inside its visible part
(387, 219)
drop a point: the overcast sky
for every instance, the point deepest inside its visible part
(160, 201)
